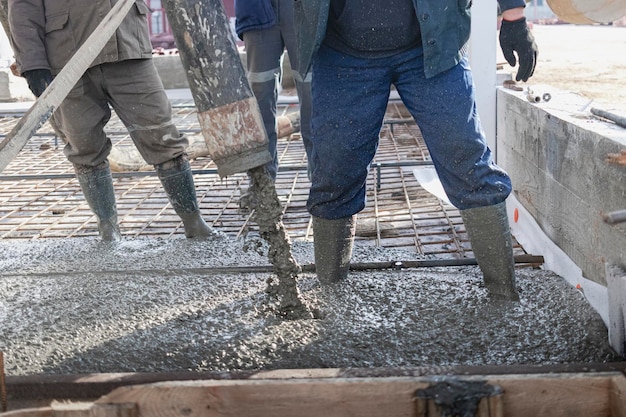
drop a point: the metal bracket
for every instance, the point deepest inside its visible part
(453, 397)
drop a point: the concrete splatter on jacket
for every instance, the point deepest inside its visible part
(47, 33)
(444, 25)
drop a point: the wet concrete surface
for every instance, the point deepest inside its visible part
(155, 305)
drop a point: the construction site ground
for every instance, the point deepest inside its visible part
(157, 302)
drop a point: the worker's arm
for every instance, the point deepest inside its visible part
(27, 21)
(28, 27)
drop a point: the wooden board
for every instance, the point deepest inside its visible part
(554, 395)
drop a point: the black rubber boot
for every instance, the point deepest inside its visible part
(97, 186)
(177, 180)
(333, 241)
(490, 237)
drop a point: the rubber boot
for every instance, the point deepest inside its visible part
(333, 241)
(249, 199)
(177, 180)
(97, 186)
(490, 237)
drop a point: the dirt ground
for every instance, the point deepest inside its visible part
(585, 59)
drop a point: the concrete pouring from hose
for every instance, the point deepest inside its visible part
(231, 122)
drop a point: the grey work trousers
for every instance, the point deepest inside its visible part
(264, 53)
(134, 90)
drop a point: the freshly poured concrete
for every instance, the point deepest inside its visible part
(151, 305)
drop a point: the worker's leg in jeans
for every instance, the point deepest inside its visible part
(349, 101)
(445, 110)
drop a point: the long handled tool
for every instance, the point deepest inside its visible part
(62, 84)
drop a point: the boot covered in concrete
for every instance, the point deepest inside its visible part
(490, 237)
(177, 180)
(96, 183)
(333, 241)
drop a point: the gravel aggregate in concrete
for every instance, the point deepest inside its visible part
(154, 305)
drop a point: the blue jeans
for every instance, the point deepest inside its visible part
(350, 97)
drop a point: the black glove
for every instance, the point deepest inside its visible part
(38, 80)
(516, 37)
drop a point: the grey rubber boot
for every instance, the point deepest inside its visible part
(249, 199)
(177, 180)
(490, 237)
(333, 241)
(97, 186)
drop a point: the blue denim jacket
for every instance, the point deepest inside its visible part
(253, 15)
(444, 24)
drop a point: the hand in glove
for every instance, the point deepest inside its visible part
(38, 80)
(516, 37)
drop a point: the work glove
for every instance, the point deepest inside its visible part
(38, 80)
(516, 37)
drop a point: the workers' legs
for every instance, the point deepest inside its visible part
(303, 85)
(134, 89)
(445, 110)
(97, 186)
(349, 101)
(264, 49)
(136, 93)
(81, 118)
(177, 180)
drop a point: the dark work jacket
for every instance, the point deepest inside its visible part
(47, 33)
(253, 15)
(444, 26)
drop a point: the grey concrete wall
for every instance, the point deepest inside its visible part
(171, 71)
(556, 155)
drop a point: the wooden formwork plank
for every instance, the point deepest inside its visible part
(618, 396)
(556, 395)
(304, 398)
(553, 395)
